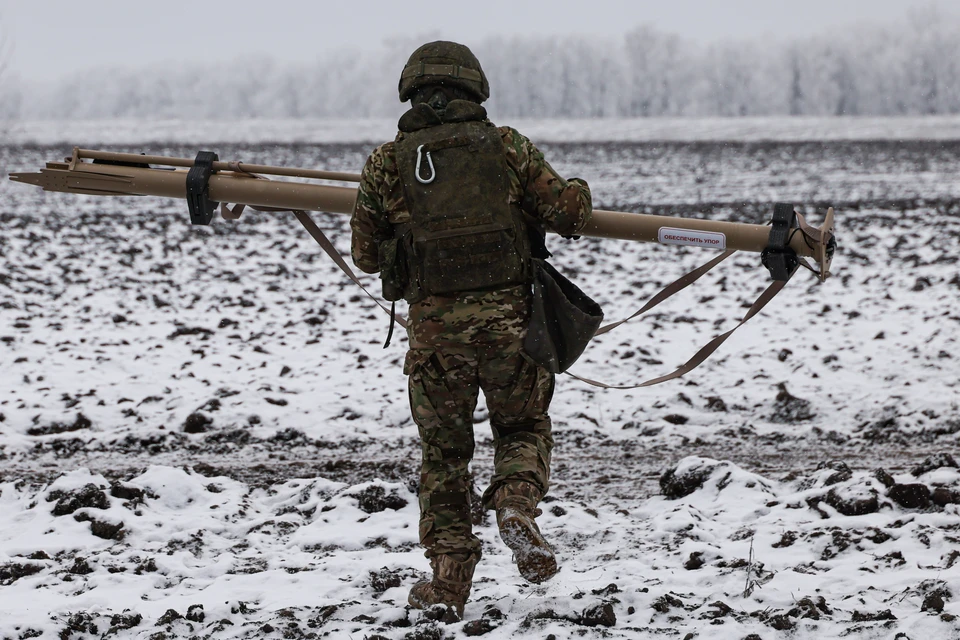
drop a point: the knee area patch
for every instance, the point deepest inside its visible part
(416, 359)
(529, 393)
(446, 507)
(520, 432)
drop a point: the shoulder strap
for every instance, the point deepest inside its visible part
(703, 353)
(676, 286)
(328, 248)
(331, 251)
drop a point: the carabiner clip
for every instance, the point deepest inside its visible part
(433, 172)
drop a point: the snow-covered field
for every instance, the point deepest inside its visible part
(203, 420)
(330, 131)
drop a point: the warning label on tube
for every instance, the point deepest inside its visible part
(707, 239)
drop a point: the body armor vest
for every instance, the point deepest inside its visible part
(464, 235)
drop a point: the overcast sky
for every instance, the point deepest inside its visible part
(52, 38)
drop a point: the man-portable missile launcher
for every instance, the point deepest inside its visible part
(209, 185)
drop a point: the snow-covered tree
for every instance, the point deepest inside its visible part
(932, 66)
(822, 78)
(656, 72)
(910, 67)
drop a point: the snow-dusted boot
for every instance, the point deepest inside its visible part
(516, 505)
(450, 586)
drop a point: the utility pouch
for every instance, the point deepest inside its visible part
(563, 320)
(393, 269)
(538, 240)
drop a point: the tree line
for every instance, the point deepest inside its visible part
(908, 68)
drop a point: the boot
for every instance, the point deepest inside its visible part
(516, 510)
(450, 586)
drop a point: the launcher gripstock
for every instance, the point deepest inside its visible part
(206, 182)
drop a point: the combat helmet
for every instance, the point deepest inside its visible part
(445, 63)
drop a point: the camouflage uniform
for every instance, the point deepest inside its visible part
(471, 342)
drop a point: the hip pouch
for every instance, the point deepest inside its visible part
(563, 320)
(391, 259)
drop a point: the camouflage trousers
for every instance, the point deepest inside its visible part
(459, 347)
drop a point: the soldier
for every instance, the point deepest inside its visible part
(452, 214)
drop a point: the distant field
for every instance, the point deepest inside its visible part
(598, 130)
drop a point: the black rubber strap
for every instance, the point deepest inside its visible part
(778, 257)
(198, 188)
(393, 320)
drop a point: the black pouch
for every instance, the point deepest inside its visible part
(393, 272)
(563, 320)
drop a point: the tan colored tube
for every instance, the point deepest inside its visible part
(291, 172)
(235, 187)
(642, 227)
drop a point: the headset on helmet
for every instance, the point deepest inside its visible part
(444, 63)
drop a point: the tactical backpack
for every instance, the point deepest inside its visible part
(464, 235)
